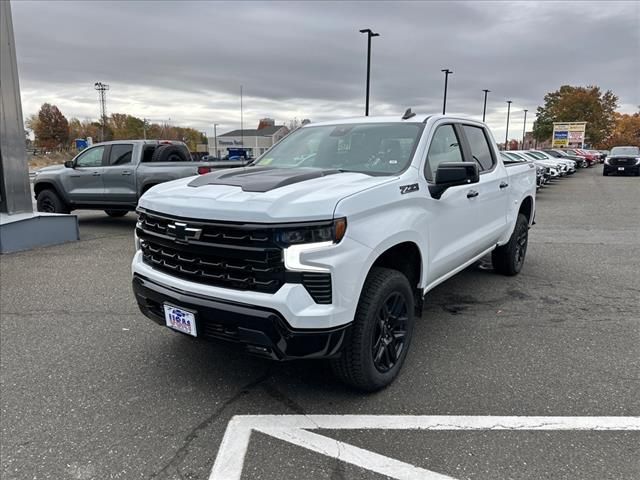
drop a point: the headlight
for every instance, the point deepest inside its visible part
(606, 161)
(332, 231)
(298, 241)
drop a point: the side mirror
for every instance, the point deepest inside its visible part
(69, 164)
(451, 174)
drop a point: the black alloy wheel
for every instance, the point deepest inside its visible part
(390, 332)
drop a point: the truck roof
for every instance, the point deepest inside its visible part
(148, 142)
(390, 119)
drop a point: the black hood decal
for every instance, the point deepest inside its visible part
(260, 179)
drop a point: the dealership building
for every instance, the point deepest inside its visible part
(255, 141)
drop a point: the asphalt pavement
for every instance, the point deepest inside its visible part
(91, 389)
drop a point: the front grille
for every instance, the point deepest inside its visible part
(229, 255)
(620, 162)
(263, 272)
(223, 255)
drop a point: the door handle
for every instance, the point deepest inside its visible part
(96, 174)
(126, 172)
(504, 185)
(472, 193)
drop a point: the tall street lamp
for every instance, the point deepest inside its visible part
(524, 127)
(506, 135)
(370, 33)
(215, 137)
(447, 72)
(484, 108)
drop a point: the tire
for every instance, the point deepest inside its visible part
(116, 213)
(384, 321)
(605, 173)
(509, 258)
(169, 153)
(49, 201)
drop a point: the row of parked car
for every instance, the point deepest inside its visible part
(554, 163)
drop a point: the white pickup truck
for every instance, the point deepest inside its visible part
(326, 245)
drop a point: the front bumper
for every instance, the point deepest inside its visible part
(262, 331)
(626, 169)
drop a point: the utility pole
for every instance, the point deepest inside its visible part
(484, 109)
(102, 88)
(524, 128)
(241, 121)
(370, 33)
(144, 127)
(215, 138)
(446, 72)
(506, 136)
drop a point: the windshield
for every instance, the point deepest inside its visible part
(625, 151)
(537, 155)
(371, 148)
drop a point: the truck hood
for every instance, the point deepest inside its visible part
(261, 195)
(50, 168)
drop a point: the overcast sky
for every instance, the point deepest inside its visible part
(185, 61)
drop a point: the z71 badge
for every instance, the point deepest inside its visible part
(409, 188)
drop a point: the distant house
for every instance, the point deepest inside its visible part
(255, 141)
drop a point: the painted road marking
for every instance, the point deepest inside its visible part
(295, 429)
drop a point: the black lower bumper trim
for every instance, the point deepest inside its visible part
(262, 331)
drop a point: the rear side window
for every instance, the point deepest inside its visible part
(120, 154)
(479, 145)
(444, 147)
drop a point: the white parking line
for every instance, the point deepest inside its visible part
(294, 429)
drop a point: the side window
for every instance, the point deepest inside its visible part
(479, 145)
(120, 154)
(444, 147)
(91, 158)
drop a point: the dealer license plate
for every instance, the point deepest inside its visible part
(180, 320)
(621, 169)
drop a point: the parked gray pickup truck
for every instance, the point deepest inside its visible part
(112, 176)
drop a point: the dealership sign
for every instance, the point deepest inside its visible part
(569, 134)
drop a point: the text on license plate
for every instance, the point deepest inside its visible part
(621, 168)
(180, 320)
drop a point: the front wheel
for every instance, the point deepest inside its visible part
(509, 258)
(116, 213)
(379, 339)
(50, 202)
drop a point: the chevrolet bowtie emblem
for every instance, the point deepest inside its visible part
(183, 233)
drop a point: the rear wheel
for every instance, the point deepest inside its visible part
(509, 258)
(379, 339)
(116, 213)
(50, 202)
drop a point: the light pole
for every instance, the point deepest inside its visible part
(524, 127)
(215, 138)
(484, 108)
(370, 33)
(506, 136)
(447, 72)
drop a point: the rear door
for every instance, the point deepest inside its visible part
(119, 174)
(83, 183)
(488, 209)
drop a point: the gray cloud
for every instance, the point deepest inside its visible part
(186, 60)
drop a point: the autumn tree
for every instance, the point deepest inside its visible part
(126, 127)
(577, 104)
(625, 132)
(51, 129)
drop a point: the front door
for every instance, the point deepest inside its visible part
(119, 175)
(450, 235)
(83, 183)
